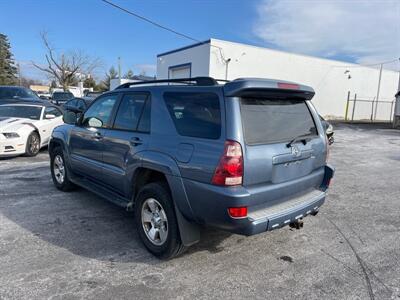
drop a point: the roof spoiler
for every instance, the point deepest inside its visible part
(257, 87)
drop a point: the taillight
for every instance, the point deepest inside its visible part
(230, 168)
(288, 86)
(237, 212)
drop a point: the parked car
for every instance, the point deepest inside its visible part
(247, 156)
(328, 130)
(10, 94)
(60, 98)
(43, 95)
(92, 95)
(25, 127)
(79, 104)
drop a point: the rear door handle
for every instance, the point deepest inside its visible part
(136, 141)
(97, 136)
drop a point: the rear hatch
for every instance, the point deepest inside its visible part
(282, 146)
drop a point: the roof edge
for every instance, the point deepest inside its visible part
(185, 48)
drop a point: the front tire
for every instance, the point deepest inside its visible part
(59, 171)
(32, 144)
(156, 221)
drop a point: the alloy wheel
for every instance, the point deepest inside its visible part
(59, 169)
(154, 221)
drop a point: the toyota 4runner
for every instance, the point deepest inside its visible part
(245, 156)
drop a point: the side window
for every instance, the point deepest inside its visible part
(129, 112)
(145, 119)
(195, 114)
(52, 111)
(99, 113)
(71, 103)
(80, 104)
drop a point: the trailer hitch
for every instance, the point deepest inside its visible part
(298, 224)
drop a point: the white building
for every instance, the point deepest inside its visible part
(330, 79)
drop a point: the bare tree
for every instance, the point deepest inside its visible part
(64, 67)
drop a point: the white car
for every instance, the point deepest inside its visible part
(26, 127)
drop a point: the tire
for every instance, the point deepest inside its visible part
(163, 245)
(59, 172)
(32, 144)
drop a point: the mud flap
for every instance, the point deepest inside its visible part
(190, 232)
(329, 172)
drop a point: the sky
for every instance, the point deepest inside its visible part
(365, 32)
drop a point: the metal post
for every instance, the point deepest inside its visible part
(391, 110)
(378, 91)
(372, 109)
(347, 106)
(354, 107)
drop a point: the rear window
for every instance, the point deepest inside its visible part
(195, 114)
(267, 121)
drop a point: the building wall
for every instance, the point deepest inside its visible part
(327, 77)
(198, 57)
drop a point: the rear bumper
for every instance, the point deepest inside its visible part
(268, 207)
(270, 218)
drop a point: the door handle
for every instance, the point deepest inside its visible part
(97, 136)
(135, 141)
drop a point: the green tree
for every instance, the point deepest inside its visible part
(8, 70)
(129, 74)
(89, 83)
(111, 74)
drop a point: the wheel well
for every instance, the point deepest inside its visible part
(144, 176)
(38, 133)
(54, 144)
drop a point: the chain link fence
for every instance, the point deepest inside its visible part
(367, 109)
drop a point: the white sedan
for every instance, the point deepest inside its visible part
(27, 127)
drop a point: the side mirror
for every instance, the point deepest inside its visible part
(49, 116)
(70, 117)
(95, 122)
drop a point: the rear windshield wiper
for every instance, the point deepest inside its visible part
(300, 138)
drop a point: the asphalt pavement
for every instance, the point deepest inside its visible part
(56, 245)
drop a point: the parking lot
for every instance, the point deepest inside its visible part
(75, 245)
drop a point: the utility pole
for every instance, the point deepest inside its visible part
(19, 74)
(398, 88)
(119, 68)
(378, 91)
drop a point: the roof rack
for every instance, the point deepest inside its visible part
(199, 81)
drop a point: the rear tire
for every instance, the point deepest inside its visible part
(59, 171)
(156, 221)
(32, 144)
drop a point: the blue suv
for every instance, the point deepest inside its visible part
(245, 156)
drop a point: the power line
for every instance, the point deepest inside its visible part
(226, 61)
(150, 21)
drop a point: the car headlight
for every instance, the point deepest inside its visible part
(11, 135)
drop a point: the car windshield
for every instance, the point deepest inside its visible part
(21, 111)
(17, 93)
(62, 96)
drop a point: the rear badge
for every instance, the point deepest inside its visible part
(295, 151)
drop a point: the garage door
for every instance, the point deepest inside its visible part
(181, 71)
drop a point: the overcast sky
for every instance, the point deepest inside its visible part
(353, 31)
